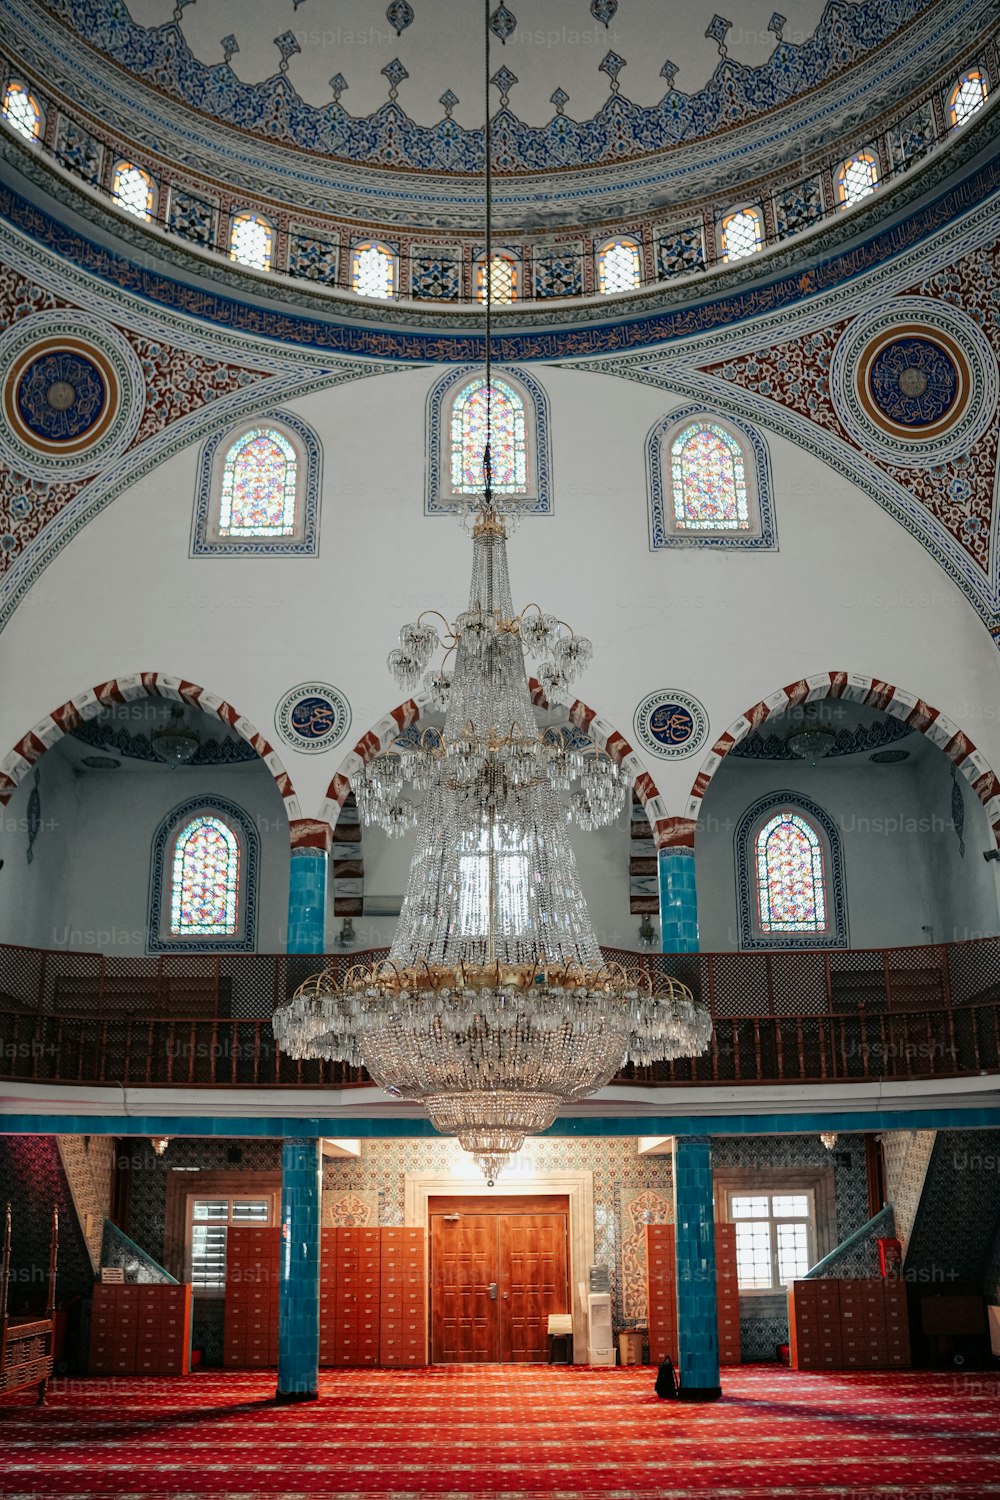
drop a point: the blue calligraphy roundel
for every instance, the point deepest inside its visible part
(61, 395)
(671, 723)
(913, 381)
(313, 717)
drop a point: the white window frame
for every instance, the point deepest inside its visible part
(772, 1221)
(817, 1181)
(200, 1194)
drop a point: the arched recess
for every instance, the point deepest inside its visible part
(853, 687)
(30, 749)
(382, 734)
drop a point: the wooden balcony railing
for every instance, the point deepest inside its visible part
(783, 1016)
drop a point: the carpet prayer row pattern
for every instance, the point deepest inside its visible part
(507, 1433)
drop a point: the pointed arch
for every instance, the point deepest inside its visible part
(61, 721)
(901, 704)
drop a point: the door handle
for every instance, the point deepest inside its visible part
(492, 1289)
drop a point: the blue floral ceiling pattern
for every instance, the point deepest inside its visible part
(736, 91)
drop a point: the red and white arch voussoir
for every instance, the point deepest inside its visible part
(63, 720)
(600, 731)
(852, 687)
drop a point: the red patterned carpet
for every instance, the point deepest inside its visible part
(468, 1433)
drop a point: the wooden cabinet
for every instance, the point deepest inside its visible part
(661, 1292)
(372, 1297)
(859, 1324)
(140, 1329)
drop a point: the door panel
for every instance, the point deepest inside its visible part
(533, 1283)
(464, 1326)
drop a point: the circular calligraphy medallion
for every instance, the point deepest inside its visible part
(914, 382)
(671, 723)
(313, 717)
(72, 394)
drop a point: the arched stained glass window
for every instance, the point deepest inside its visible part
(373, 270)
(132, 189)
(857, 177)
(259, 486)
(508, 447)
(251, 241)
(205, 880)
(503, 279)
(742, 233)
(619, 268)
(968, 95)
(790, 878)
(21, 111)
(708, 480)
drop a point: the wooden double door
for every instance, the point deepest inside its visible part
(499, 1266)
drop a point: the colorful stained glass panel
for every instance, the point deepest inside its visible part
(259, 484)
(251, 241)
(708, 480)
(508, 445)
(857, 178)
(969, 95)
(204, 887)
(791, 885)
(132, 190)
(21, 112)
(618, 267)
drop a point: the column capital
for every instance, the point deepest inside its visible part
(310, 836)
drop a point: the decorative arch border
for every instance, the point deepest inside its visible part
(401, 718)
(750, 935)
(854, 687)
(539, 444)
(63, 720)
(305, 441)
(159, 880)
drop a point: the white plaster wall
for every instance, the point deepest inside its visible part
(895, 839)
(964, 885)
(849, 588)
(33, 896)
(89, 884)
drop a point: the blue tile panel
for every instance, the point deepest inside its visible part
(298, 1300)
(307, 901)
(694, 1231)
(678, 901)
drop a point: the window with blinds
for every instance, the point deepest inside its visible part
(209, 1221)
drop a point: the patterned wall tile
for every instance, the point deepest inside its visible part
(907, 1156)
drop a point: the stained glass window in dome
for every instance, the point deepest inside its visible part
(508, 446)
(205, 880)
(373, 270)
(618, 266)
(259, 486)
(251, 241)
(742, 233)
(503, 279)
(21, 111)
(791, 883)
(856, 178)
(132, 190)
(708, 480)
(968, 95)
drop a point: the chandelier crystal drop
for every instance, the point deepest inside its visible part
(495, 1006)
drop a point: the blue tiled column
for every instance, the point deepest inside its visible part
(678, 901)
(694, 1232)
(307, 901)
(298, 1305)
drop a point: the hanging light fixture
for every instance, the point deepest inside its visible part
(175, 742)
(829, 1139)
(495, 1006)
(810, 739)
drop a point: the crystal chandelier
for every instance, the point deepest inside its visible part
(495, 1006)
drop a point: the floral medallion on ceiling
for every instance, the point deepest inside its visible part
(71, 394)
(912, 386)
(578, 39)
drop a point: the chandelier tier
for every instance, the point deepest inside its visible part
(495, 1006)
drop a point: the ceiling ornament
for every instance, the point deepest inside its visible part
(503, 24)
(717, 30)
(399, 15)
(115, 737)
(73, 394)
(858, 739)
(671, 724)
(914, 382)
(604, 11)
(495, 1006)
